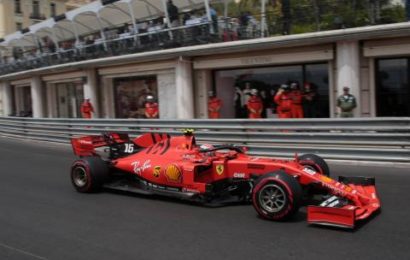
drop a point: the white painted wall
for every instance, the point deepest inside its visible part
(184, 89)
(167, 95)
(37, 97)
(348, 70)
(7, 98)
(203, 83)
(107, 98)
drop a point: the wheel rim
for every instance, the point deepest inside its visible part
(272, 198)
(80, 177)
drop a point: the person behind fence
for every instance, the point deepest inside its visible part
(296, 96)
(254, 105)
(309, 101)
(151, 107)
(346, 103)
(214, 17)
(284, 101)
(173, 13)
(214, 106)
(87, 109)
(286, 17)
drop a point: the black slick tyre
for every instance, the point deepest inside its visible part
(88, 174)
(277, 196)
(316, 162)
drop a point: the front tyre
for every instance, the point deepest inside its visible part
(277, 196)
(88, 174)
(316, 162)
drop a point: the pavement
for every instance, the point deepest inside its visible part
(43, 217)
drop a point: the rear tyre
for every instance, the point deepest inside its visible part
(88, 174)
(277, 196)
(315, 162)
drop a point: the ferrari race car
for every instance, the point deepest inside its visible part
(158, 164)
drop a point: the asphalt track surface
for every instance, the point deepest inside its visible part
(42, 217)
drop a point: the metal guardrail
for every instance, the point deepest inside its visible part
(356, 139)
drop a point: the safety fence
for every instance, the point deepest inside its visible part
(357, 139)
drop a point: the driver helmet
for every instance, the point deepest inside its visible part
(150, 98)
(210, 93)
(254, 92)
(206, 147)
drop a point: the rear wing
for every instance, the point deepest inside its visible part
(85, 145)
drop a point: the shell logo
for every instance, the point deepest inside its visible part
(173, 173)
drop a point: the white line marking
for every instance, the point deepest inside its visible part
(22, 251)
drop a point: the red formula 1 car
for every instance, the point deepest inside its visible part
(178, 167)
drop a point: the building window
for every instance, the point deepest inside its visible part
(392, 87)
(19, 26)
(17, 6)
(130, 95)
(36, 9)
(53, 10)
(234, 86)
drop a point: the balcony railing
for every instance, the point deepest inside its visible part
(37, 16)
(327, 15)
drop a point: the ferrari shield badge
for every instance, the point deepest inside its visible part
(220, 169)
(157, 171)
(173, 173)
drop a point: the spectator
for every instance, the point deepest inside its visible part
(49, 44)
(214, 17)
(186, 17)
(284, 101)
(309, 101)
(296, 96)
(87, 109)
(173, 14)
(151, 107)
(254, 105)
(346, 103)
(244, 22)
(244, 19)
(123, 29)
(286, 16)
(214, 106)
(15, 53)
